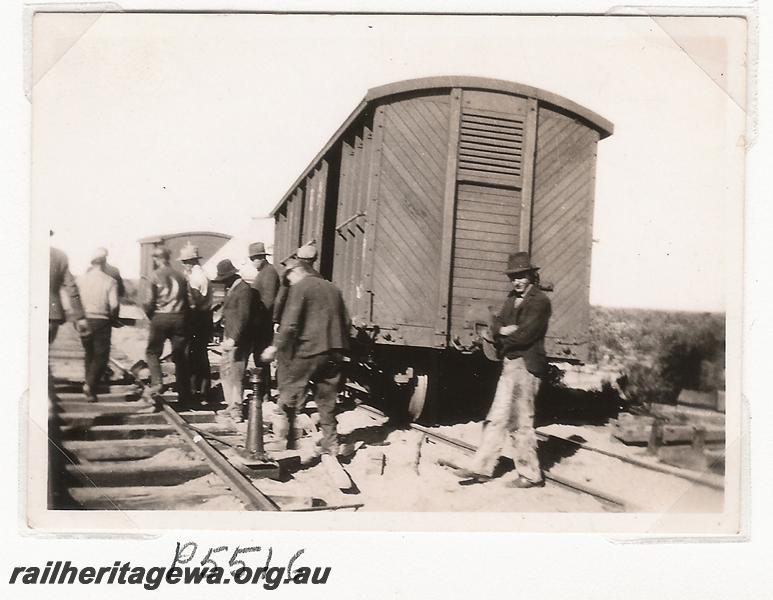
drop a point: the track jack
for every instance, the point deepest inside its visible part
(254, 455)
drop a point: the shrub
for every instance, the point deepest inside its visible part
(661, 352)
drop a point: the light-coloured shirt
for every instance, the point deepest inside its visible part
(199, 289)
(99, 294)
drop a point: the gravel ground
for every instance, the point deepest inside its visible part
(397, 470)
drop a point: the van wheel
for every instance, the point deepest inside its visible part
(418, 397)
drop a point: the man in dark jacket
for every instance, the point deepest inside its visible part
(519, 330)
(60, 279)
(313, 335)
(166, 305)
(266, 286)
(238, 336)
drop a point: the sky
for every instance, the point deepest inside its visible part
(152, 124)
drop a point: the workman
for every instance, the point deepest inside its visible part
(519, 331)
(60, 279)
(266, 286)
(312, 339)
(238, 337)
(99, 296)
(200, 320)
(307, 254)
(166, 305)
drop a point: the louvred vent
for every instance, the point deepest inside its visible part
(490, 147)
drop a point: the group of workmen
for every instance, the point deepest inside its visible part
(300, 321)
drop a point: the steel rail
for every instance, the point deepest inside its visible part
(331, 507)
(707, 481)
(557, 479)
(700, 480)
(252, 497)
(468, 448)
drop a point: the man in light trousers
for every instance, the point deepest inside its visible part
(519, 330)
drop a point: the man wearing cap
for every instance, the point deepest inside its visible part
(312, 338)
(519, 330)
(307, 254)
(99, 296)
(166, 305)
(266, 285)
(238, 335)
(200, 319)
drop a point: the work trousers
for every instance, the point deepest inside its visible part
(172, 327)
(232, 366)
(511, 414)
(319, 375)
(198, 355)
(97, 347)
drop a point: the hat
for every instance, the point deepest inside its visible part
(99, 256)
(189, 252)
(307, 252)
(162, 252)
(519, 262)
(225, 269)
(257, 249)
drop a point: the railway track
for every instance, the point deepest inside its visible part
(611, 500)
(124, 453)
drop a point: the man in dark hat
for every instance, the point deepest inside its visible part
(238, 336)
(266, 284)
(312, 338)
(519, 330)
(200, 320)
(166, 305)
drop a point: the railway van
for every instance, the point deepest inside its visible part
(415, 203)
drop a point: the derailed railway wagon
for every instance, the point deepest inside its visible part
(416, 202)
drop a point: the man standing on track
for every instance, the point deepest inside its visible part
(167, 308)
(313, 335)
(519, 330)
(266, 284)
(200, 319)
(238, 336)
(99, 295)
(60, 279)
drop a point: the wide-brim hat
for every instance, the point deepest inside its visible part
(519, 262)
(225, 269)
(257, 249)
(189, 252)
